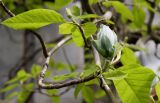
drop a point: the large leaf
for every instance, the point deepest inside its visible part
(120, 8)
(128, 57)
(33, 19)
(135, 88)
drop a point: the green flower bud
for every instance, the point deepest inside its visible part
(106, 39)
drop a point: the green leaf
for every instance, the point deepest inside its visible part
(28, 86)
(118, 48)
(51, 63)
(11, 95)
(128, 57)
(99, 94)
(23, 75)
(56, 99)
(77, 37)
(66, 28)
(13, 80)
(75, 10)
(25, 91)
(135, 88)
(89, 71)
(78, 89)
(64, 77)
(88, 16)
(50, 45)
(33, 19)
(35, 70)
(88, 94)
(57, 4)
(89, 29)
(115, 75)
(139, 16)
(120, 8)
(9, 87)
(52, 92)
(158, 90)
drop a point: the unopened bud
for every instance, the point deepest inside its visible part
(106, 39)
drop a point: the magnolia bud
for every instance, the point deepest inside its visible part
(106, 39)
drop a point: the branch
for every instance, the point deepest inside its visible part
(42, 43)
(152, 14)
(6, 9)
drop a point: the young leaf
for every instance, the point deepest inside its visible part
(115, 75)
(33, 19)
(35, 70)
(66, 28)
(89, 71)
(75, 10)
(11, 95)
(23, 75)
(64, 77)
(9, 87)
(135, 88)
(89, 29)
(128, 57)
(88, 16)
(25, 92)
(78, 89)
(99, 94)
(88, 94)
(77, 37)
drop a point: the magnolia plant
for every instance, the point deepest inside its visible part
(132, 80)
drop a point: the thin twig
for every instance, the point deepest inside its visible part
(42, 43)
(6, 9)
(152, 14)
